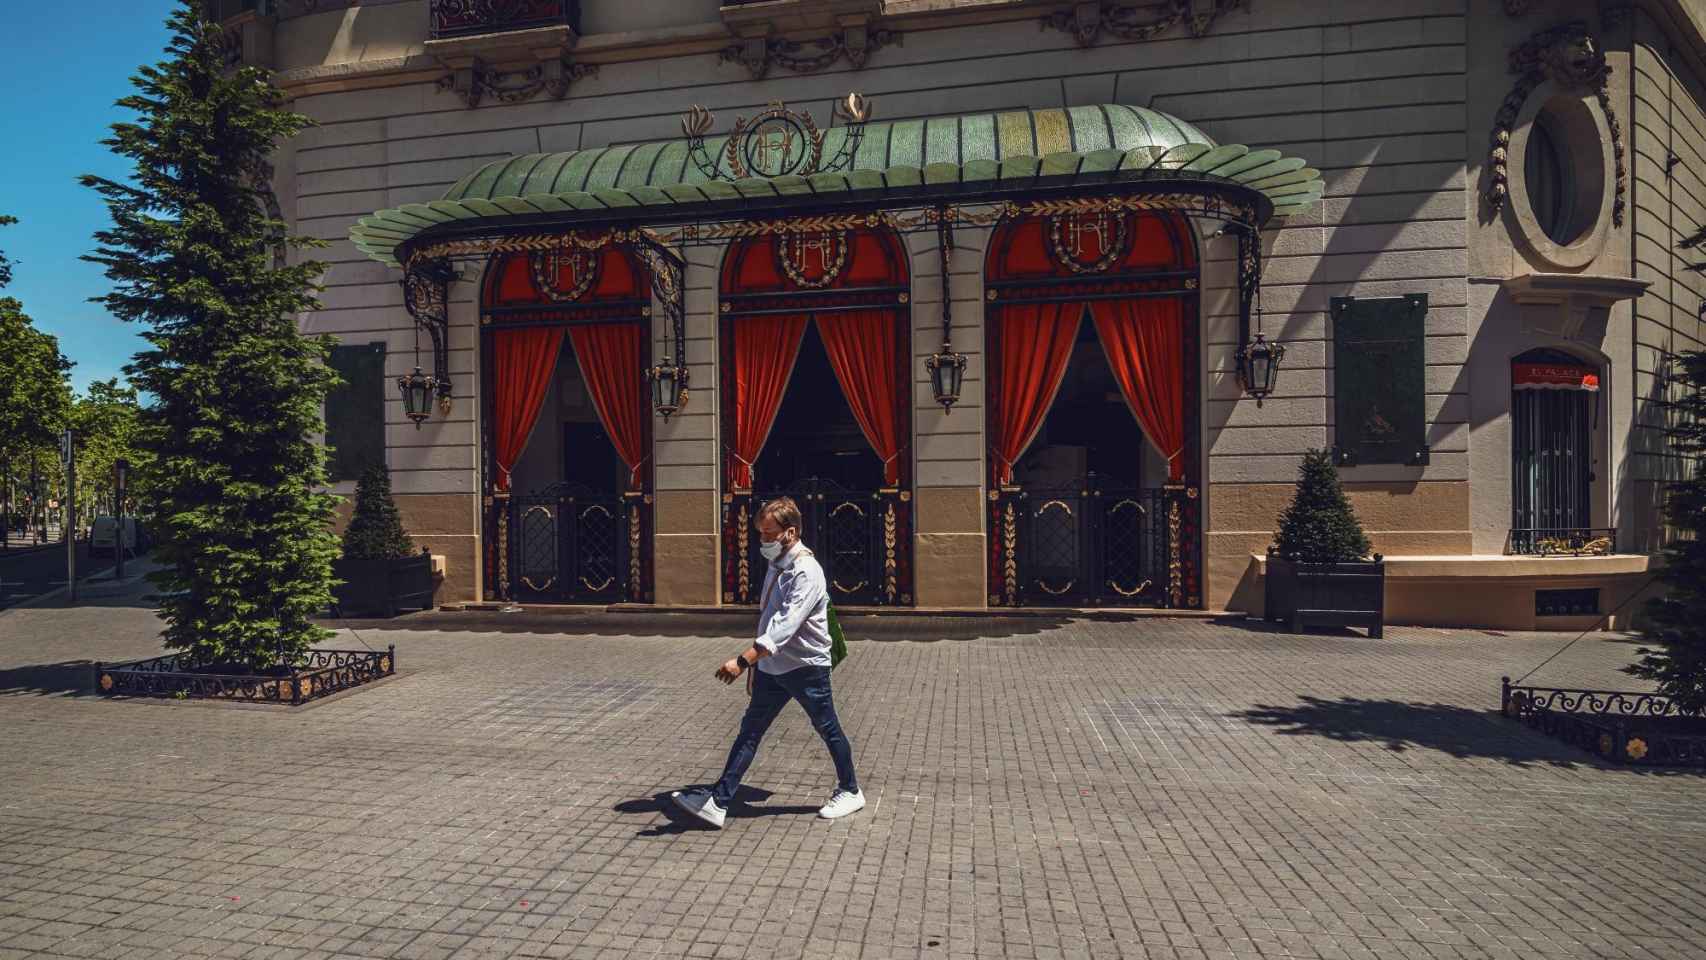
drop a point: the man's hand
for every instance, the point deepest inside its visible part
(729, 670)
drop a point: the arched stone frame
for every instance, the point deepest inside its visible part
(875, 273)
(1589, 142)
(1601, 492)
(1180, 508)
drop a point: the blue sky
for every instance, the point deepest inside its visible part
(63, 67)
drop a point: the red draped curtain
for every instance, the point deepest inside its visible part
(611, 356)
(862, 350)
(523, 360)
(1035, 345)
(1144, 341)
(764, 352)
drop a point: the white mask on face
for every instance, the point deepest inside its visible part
(771, 549)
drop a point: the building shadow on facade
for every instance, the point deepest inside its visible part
(1401, 726)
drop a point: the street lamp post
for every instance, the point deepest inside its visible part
(121, 473)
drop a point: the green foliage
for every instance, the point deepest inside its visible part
(35, 394)
(1675, 626)
(1319, 525)
(108, 421)
(194, 255)
(5, 264)
(375, 529)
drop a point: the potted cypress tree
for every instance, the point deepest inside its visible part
(1319, 572)
(380, 570)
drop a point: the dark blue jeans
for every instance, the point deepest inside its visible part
(770, 693)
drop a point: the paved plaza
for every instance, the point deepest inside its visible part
(1039, 788)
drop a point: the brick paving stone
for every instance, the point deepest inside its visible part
(1045, 788)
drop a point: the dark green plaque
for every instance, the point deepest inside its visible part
(1379, 380)
(355, 411)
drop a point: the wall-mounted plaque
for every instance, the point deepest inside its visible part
(355, 411)
(1379, 380)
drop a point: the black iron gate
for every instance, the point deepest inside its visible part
(863, 539)
(567, 544)
(1551, 469)
(1082, 547)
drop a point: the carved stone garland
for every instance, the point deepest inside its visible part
(1571, 59)
(1135, 22)
(552, 77)
(854, 44)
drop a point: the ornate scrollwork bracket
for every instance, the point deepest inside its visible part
(777, 142)
(426, 295)
(668, 270)
(475, 82)
(1572, 59)
(1137, 22)
(855, 44)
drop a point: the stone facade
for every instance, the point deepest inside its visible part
(1394, 102)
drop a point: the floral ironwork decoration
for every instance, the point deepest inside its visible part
(1137, 22)
(854, 44)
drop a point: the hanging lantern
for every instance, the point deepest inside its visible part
(669, 387)
(417, 389)
(947, 370)
(1258, 367)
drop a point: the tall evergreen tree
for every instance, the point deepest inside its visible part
(1319, 526)
(246, 540)
(1676, 622)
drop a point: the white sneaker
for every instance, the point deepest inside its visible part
(842, 804)
(701, 804)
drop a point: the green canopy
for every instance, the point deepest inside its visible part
(903, 156)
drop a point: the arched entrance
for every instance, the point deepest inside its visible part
(1555, 443)
(816, 405)
(565, 425)
(1092, 396)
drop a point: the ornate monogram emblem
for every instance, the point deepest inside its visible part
(563, 273)
(1087, 242)
(813, 260)
(776, 143)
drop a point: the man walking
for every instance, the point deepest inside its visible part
(791, 660)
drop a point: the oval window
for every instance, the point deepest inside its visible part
(1551, 181)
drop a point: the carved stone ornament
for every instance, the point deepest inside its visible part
(1612, 13)
(553, 77)
(1572, 60)
(1136, 22)
(855, 44)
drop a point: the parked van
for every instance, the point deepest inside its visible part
(102, 534)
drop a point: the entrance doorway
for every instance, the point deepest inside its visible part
(1092, 446)
(816, 407)
(1554, 420)
(568, 433)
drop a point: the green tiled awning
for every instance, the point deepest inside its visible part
(904, 155)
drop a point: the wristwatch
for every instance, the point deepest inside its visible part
(740, 658)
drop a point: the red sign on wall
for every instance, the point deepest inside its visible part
(1553, 376)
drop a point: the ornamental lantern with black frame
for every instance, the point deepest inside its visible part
(1258, 360)
(947, 368)
(417, 389)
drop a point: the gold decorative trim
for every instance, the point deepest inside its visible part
(890, 566)
(547, 266)
(853, 589)
(634, 553)
(306, 686)
(744, 579)
(791, 251)
(846, 505)
(537, 588)
(503, 550)
(600, 508)
(1055, 503)
(384, 664)
(1175, 561)
(1076, 225)
(1636, 748)
(1052, 591)
(1134, 591)
(1009, 544)
(600, 588)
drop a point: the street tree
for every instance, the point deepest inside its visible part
(35, 394)
(245, 536)
(1674, 653)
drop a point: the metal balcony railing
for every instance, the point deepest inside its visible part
(1563, 541)
(464, 18)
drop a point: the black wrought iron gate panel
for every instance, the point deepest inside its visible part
(863, 539)
(566, 544)
(1080, 548)
(1552, 468)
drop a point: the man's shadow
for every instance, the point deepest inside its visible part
(748, 804)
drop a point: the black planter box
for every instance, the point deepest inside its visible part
(382, 588)
(1304, 595)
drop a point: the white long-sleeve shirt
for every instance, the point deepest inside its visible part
(793, 625)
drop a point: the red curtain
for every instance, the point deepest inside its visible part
(1144, 341)
(861, 347)
(524, 360)
(610, 357)
(1035, 346)
(764, 348)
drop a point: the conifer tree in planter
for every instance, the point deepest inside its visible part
(1318, 571)
(380, 570)
(195, 256)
